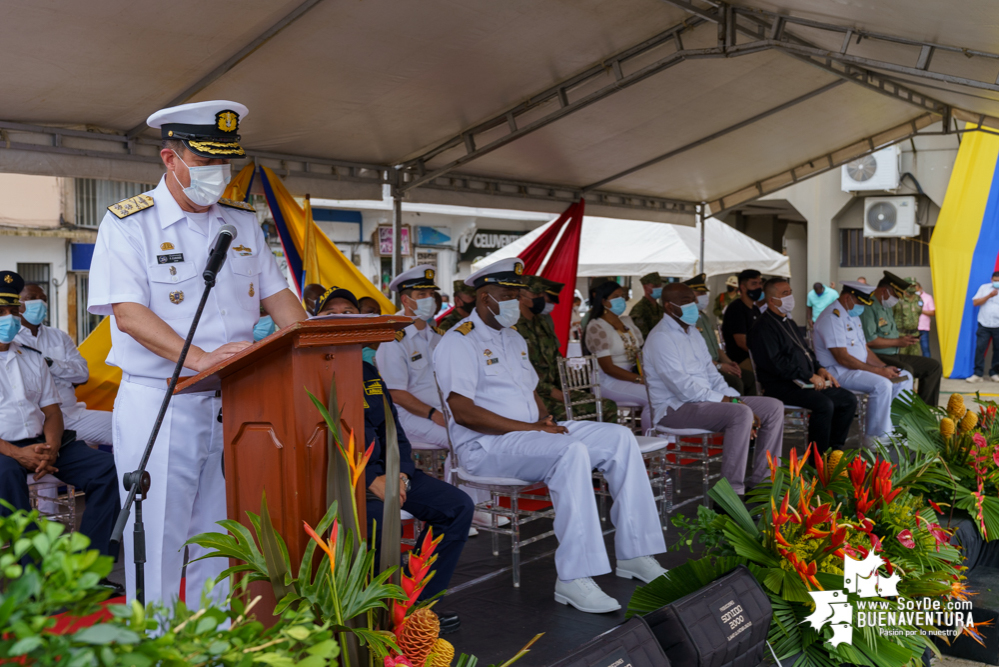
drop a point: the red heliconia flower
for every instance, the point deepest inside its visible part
(979, 440)
(780, 518)
(905, 538)
(837, 539)
(820, 514)
(772, 461)
(858, 471)
(794, 463)
(863, 504)
(820, 464)
(855, 552)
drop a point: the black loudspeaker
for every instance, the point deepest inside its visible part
(630, 644)
(724, 624)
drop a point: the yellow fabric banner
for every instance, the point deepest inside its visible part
(100, 390)
(311, 263)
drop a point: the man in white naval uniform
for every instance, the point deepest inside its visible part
(151, 251)
(501, 428)
(841, 348)
(66, 364)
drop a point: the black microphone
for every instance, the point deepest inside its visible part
(216, 257)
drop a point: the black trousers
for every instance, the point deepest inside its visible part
(833, 410)
(928, 371)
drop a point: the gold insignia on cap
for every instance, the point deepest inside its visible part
(221, 148)
(518, 268)
(176, 297)
(166, 245)
(8, 279)
(251, 290)
(429, 274)
(228, 121)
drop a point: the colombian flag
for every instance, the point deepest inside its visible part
(964, 250)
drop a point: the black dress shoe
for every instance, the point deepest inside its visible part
(117, 590)
(449, 621)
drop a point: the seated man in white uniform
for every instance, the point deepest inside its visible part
(66, 365)
(841, 348)
(406, 365)
(688, 392)
(501, 428)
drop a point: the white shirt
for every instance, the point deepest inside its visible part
(837, 328)
(68, 365)
(155, 258)
(988, 312)
(407, 363)
(26, 387)
(679, 368)
(490, 367)
(603, 340)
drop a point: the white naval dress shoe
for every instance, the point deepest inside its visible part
(486, 519)
(645, 568)
(585, 595)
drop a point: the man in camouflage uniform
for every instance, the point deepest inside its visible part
(730, 294)
(907, 312)
(647, 312)
(464, 303)
(538, 330)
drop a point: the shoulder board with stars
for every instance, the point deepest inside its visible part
(465, 328)
(400, 334)
(438, 331)
(232, 203)
(127, 207)
(836, 312)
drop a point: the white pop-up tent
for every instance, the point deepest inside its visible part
(610, 247)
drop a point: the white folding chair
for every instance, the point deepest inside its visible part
(582, 374)
(515, 490)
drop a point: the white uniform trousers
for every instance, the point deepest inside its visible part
(627, 393)
(427, 432)
(187, 490)
(565, 463)
(91, 426)
(880, 391)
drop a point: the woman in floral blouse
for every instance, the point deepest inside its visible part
(616, 342)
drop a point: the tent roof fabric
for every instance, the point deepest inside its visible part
(381, 83)
(633, 248)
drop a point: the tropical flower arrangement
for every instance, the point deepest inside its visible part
(811, 513)
(966, 443)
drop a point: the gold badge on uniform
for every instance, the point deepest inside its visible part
(251, 290)
(173, 271)
(243, 250)
(176, 297)
(166, 245)
(487, 352)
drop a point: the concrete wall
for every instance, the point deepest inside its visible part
(30, 201)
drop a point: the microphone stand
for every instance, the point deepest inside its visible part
(138, 481)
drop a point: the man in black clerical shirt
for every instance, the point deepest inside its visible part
(782, 357)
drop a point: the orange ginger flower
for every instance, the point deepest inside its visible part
(330, 548)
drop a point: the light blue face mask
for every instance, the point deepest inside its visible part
(618, 304)
(35, 311)
(425, 308)
(688, 312)
(9, 326)
(657, 293)
(857, 310)
(509, 312)
(264, 328)
(368, 354)
(995, 284)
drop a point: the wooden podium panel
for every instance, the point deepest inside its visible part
(275, 438)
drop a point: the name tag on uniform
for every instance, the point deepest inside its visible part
(174, 258)
(416, 357)
(490, 362)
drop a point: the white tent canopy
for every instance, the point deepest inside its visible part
(633, 248)
(644, 107)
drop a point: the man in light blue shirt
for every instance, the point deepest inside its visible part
(820, 297)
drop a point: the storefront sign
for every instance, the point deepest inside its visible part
(486, 241)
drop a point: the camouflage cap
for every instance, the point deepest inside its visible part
(461, 288)
(653, 279)
(535, 284)
(553, 289)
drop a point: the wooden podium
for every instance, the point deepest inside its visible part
(275, 438)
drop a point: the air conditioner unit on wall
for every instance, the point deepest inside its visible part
(890, 217)
(877, 171)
